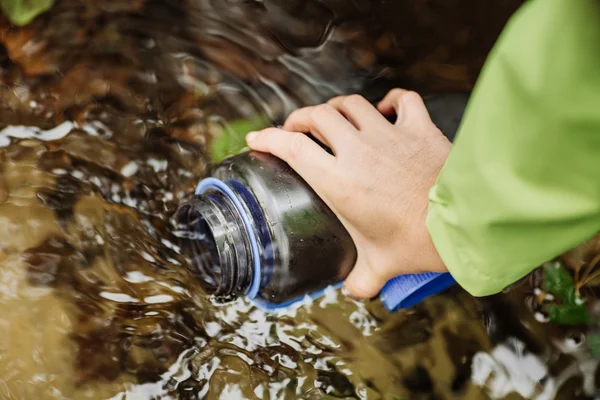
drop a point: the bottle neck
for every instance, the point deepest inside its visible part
(213, 236)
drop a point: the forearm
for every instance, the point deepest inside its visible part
(521, 185)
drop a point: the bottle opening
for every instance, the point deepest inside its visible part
(213, 238)
(198, 244)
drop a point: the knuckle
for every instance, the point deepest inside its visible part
(321, 111)
(411, 96)
(394, 94)
(297, 146)
(294, 115)
(354, 100)
(336, 100)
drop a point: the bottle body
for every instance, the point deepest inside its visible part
(255, 228)
(304, 247)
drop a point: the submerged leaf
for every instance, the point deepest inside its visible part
(593, 341)
(22, 12)
(558, 281)
(231, 138)
(569, 315)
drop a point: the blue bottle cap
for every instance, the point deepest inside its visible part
(407, 290)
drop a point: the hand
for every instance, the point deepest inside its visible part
(377, 181)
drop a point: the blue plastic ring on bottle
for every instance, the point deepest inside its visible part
(217, 184)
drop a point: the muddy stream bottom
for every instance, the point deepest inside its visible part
(107, 117)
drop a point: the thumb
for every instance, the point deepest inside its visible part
(363, 282)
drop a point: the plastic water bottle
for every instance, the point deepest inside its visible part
(256, 229)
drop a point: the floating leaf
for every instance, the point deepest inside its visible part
(22, 12)
(230, 139)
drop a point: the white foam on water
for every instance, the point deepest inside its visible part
(158, 299)
(157, 165)
(137, 277)
(129, 169)
(32, 132)
(119, 297)
(95, 128)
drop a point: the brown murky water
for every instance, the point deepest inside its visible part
(106, 112)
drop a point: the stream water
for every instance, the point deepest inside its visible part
(107, 111)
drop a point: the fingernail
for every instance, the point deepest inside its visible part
(251, 136)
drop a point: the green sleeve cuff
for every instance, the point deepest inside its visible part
(462, 259)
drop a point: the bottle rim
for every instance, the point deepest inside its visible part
(212, 183)
(195, 221)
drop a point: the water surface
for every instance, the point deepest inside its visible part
(107, 113)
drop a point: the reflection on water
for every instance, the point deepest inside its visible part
(106, 113)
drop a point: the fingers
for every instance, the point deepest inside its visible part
(363, 282)
(408, 105)
(390, 102)
(305, 156)
(324, 122)
(358, 111)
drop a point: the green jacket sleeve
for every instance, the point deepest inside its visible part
(522, 183)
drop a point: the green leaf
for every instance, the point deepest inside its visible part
(22, 12)
(593, 341)
(569, 315)
(559, 282)
(230, 138)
